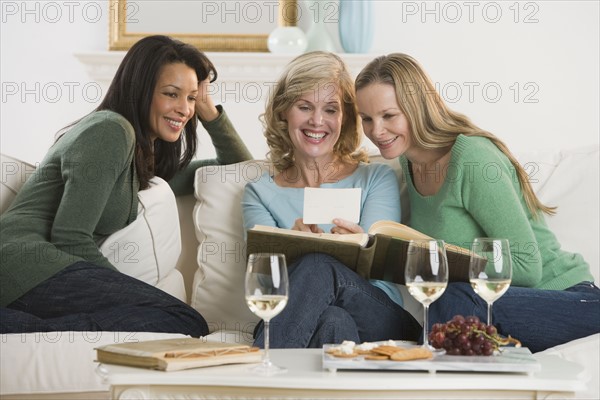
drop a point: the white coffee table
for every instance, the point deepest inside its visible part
(306, 379)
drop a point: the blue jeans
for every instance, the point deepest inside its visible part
(540, 319)
(329, 303)
(87, 297)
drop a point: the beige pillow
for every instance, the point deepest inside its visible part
(570, 180)
(218, 289)
(149, 247)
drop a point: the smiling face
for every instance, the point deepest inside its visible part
(173, 101)
(315, 122)
(382, 120)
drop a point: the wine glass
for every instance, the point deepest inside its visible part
(426, 276)
(490, 270)
(267, 290)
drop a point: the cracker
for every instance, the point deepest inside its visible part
(376, 357)
(364, 352)
(417, 353)
(341, 354)
(387, 350)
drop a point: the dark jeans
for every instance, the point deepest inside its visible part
(540, 319)
(86, 297)
(329, 303)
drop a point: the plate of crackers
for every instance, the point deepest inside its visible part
(401, 355)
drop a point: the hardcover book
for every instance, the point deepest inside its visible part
(378, 254)
(176, 354)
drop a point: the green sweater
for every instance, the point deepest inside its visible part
(84, 189)
(481, 197)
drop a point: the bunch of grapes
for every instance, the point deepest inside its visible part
(468, 336)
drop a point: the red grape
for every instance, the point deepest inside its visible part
(467, 336)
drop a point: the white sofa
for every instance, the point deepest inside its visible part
(212, 262)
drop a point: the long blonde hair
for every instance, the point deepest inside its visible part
(305, 73)
(433, 125)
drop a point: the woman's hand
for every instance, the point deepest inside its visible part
(205, 107)
(301, 226)
(343, 227)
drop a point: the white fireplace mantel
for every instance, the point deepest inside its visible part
(232, 67)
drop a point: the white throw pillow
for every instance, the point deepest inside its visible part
(573, 187)
(218, 289)
(149, 247)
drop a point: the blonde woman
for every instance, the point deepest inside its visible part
(311, 126)
(461, 184)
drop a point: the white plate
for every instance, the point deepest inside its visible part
(510, 360)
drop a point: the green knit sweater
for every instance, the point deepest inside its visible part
(85, 189)
(481, 197)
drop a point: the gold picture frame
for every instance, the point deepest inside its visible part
(120, 38)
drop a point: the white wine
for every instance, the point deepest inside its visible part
(266, 306)
(490, 289)
(426, 292)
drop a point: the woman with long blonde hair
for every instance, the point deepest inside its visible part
(464, 183)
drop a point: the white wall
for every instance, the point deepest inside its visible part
(531, 77)
(37, 63)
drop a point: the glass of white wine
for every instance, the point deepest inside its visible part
(267, 290)
(490, 270)
(426, 276)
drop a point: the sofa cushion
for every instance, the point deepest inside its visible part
(174, 284)
(149, 247)
(218, 288)
(585, 352)
(569, 180)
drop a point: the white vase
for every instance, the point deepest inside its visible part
(317, 36)
(287, 39)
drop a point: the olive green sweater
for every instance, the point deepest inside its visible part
(481, 197)
(85, 189)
